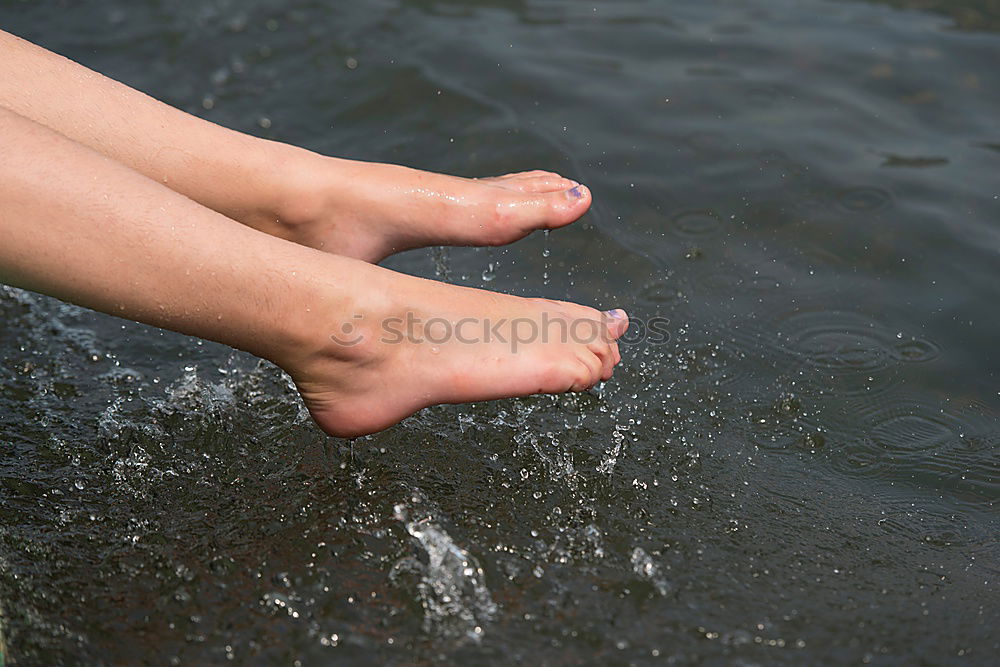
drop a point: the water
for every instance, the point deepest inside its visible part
(806, 472)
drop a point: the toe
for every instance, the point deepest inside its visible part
(591, 369)
(545, 210)
(506, 179)
(570, 373)
(617, 322)
(566, 206)
(531, 174)
(583, 312)
(542, 183)
(606, 354)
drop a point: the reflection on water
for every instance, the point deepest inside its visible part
(806, 472)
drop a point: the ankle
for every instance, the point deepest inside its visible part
(294, 190)
(334, 321)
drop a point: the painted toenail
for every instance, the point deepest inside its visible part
(575, 193)
(616, 314)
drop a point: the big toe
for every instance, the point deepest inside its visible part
(540, 182)
(617, 322)
(547, 210)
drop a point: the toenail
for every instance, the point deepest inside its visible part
(616, 314)
(575, 193)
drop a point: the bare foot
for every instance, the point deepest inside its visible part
(427, 343)
(369, 211)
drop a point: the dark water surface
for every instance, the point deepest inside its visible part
(808, 472)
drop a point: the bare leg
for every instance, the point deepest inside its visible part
(358, 209)
(84, 228)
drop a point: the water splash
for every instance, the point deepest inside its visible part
(442, 262)
(490, 272)
(452, 589)
(643, 565)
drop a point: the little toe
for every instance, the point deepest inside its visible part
(593, 369)
(605, 352)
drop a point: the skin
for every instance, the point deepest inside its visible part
(356, 209)
(90, 229)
